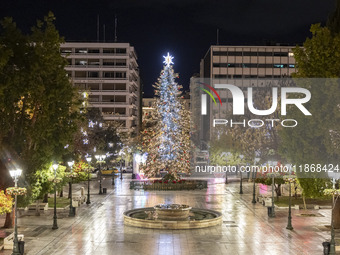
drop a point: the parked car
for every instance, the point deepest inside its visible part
(109, 171)
(127, 169)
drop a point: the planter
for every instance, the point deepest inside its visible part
(161, 185)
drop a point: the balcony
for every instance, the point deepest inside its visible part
(100, 104)
(134, 83)
(96, 67)
(73, 54)
(116, 116)
(98, 79)
(109, 92)
(134, 72)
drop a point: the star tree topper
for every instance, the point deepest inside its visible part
(168, 60)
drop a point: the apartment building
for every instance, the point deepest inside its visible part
(109, 73)
(244, 66)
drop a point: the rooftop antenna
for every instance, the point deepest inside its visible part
(104, 32)
(116, 39)
(217, 34)
(97, 28)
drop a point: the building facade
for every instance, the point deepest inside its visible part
(241, 62)
(109, 73)
(244, 66)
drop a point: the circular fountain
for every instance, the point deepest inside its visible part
(172, 216)
(172, 211)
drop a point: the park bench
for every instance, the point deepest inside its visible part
(8, 241)
(41, 206)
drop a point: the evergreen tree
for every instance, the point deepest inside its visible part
(166, 137)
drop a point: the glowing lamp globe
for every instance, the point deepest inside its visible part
(15, 173)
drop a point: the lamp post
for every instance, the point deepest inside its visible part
(290, 179)
(55, 224)
(226, 173)
(121, 170)
(88, 159)
(332, 246)
(100, 158)
(15, 175)
(121, 162)
(113, 177)
(241, 188)
(71, 213)
(272, 213)
(254, 176)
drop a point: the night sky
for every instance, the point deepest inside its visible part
(184, 28)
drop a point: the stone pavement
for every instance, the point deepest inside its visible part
(98, 228)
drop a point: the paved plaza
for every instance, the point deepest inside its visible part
(98, 228)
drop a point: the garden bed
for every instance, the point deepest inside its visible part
(168, 185)
(284, 201)
(62, 202)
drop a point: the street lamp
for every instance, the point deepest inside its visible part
(290, 179)
(55, 224)
(254, 177)
(333, 176)
(241, 188)
(100, 158)
(88, 159)
(121, 162)
(113, 177)
(15, 175)
(226, 173)
(272, 212)
(71, 213)
(121, 170)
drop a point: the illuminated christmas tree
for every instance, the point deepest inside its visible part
(165, 137)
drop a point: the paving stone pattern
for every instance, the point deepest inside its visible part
(98, 228)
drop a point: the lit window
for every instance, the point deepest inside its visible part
(290, 54)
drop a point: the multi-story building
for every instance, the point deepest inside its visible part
(148, 102)
(109, 73)
(239, 62)
(243, 66)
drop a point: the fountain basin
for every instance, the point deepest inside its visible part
(198, 218)
(172, 211)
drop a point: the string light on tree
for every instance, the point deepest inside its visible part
(165, 137)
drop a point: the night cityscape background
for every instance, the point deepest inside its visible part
(102, 153)
(184, 28)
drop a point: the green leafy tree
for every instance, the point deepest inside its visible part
(333, 22)
(315, 139)
(259, 142)
(266, 179)
(310, 141)
(94, 134)
(6, 203)
(39, 107)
